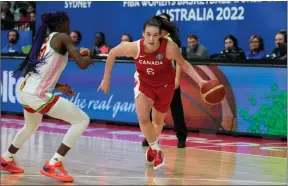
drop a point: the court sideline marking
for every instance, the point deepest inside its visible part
(188, 179)
(123, 140)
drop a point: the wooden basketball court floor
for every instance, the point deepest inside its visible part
(113, 155)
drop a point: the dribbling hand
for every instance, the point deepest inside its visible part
(104, 86)
(200, 85)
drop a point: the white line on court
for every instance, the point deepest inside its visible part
(188, 179)
(239, 153)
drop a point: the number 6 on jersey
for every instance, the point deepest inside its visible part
(150, 71)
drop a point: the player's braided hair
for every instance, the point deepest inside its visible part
(49, 21)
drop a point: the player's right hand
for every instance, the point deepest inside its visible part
(104, 86)
(65, 89)
(202, 83)
(88, 60)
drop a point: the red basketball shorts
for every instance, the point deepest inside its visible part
(162, 96)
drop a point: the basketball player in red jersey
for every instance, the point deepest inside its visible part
(176, 106)
(154, 78)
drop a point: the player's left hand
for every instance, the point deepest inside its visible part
(65, 89)
(177, 84)
(104, 86)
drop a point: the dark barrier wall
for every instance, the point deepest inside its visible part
(211, 21)
(256, 96)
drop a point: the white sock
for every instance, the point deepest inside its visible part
(55, 158)
(155, 145)
(8, 156)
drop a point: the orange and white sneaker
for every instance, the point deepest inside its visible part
(10, 166)
(56, 171)
(159, 160)
(149, 155)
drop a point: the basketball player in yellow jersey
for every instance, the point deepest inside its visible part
(42, 69)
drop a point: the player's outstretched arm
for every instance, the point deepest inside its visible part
(124, 49)
(178, 75)
(172, 52)
(82, 62)
(127, 49)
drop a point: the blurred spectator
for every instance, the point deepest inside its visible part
(31, 8)
(32, 21)
(100, 46)
(33, 16)
(283, 51)
(232, 50)
(23, 15)
(13, 46)
(6, 13)
(257, 50)
(6, 16)
(76, 37)
(24, 19)
(280, 40)
(126, 38)
(19, 5)
(194, 49)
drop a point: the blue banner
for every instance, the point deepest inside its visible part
(256, 96)
(211, 21)
(118, 106)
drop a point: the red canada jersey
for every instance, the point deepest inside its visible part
(154, 68)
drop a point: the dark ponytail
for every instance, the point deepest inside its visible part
(163, 24)
(167, 16)
(30, 63)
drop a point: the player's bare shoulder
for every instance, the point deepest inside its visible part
(59, 39)
(63, 37)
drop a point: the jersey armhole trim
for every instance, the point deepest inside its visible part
(54, 49)
(138, 50)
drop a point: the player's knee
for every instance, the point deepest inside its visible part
(36, 127)
(143, 117)
(84, 120)
(144, 120)
(28, 130)
(158, 123)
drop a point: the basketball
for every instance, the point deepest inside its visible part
(212, 92)
(198, 113)
(85, 52)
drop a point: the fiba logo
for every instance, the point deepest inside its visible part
(77, 4)
(159, 56)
